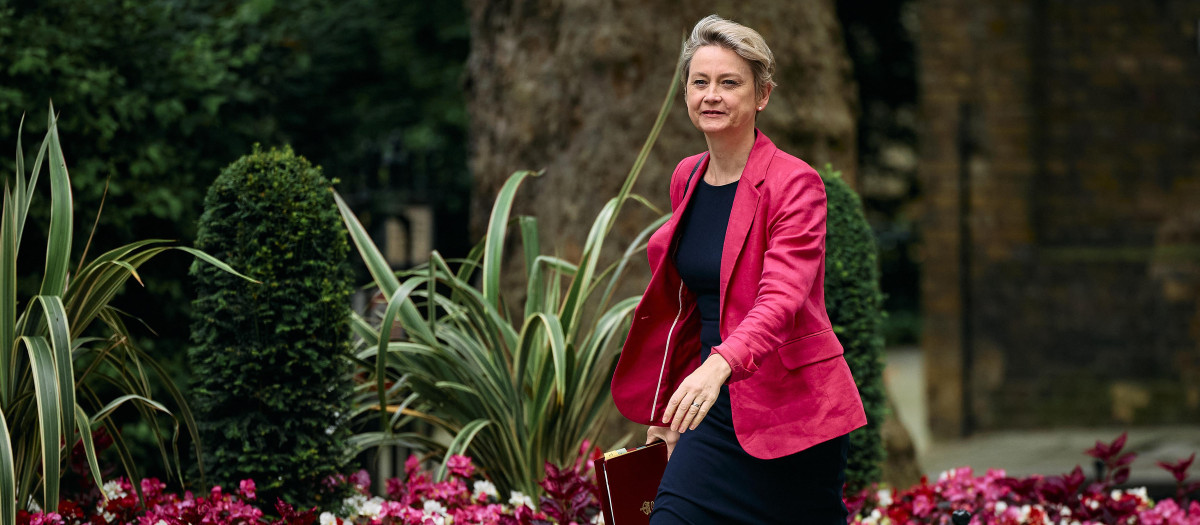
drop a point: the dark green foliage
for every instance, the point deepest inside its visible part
(160, 95)
(854, 302)
(271, 384)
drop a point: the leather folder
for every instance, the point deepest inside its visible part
(628, 481)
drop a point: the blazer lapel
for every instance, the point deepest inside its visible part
(745, 206)
(677, 215)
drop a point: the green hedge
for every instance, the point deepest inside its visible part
(271, 385)
(855, 303)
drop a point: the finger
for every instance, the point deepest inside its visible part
(692, 416)
(684, 410)
(700, 413)
(669, 413)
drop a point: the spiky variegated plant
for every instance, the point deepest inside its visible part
(54, 364)
(514, 392)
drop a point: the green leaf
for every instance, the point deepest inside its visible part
(494, 240)
(58, 244)
(8, 477)
(377, 265)
(112, 405)
(89, 448)
(49, 424)
(200, 254)
(60, 342)
(8, 295)
(461, 441)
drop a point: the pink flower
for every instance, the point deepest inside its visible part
(152, 489)
(460, 466)
(361, 480)
(246, 489)
(47, 518)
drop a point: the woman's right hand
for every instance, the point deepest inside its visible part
(664, 434)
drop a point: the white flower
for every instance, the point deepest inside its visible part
(1140, 493)
(874, 518)
(33, 507)
(372, 508)
(434, 507)
(483, 487)
(161, 522)
(354, 504)
(1001, 507)
(327, 518)
(517, 499)
(360, 506)
(113, 490)
(885, 497)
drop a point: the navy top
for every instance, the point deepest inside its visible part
(710, 478)
(698, 256)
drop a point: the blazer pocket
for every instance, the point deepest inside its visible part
(808, 349)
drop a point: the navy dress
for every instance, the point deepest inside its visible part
(709, 478)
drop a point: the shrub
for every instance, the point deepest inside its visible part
(271, 374)
(854, 302)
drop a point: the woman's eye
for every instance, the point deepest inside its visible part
(699, 82)
(730, 83)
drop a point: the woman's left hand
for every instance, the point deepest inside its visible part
(696, 394)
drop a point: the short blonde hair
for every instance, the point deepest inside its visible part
(713, 30)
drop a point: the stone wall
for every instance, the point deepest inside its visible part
(1060, 173)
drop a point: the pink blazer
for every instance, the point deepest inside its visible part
(790, 387)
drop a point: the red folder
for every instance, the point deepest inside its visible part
(628, 482)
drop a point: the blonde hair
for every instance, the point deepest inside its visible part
(713, 30)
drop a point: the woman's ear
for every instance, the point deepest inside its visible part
(766, 97)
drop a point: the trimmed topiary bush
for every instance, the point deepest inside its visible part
(855, 304)
(271, 385)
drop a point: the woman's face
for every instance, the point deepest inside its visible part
(720, 92)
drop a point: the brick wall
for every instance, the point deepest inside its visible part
(1060, 173)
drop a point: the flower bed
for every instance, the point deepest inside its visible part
(571, 498)
(462, 498)
(995, 498)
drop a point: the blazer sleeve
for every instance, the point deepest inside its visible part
(794, 255)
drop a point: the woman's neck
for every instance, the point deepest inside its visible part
(727, 157)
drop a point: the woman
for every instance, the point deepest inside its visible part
(731, 357)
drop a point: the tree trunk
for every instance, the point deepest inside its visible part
(573, 87)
